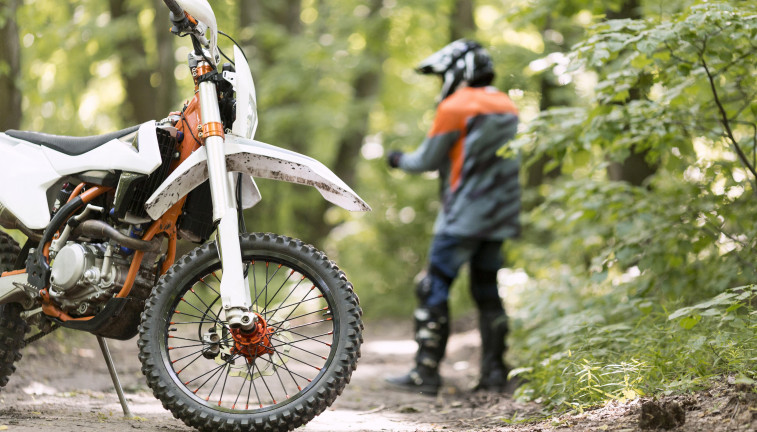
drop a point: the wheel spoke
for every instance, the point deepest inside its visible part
(275, 365)
(188, 364)
(225, 378)
(181, 338)
(241, 387)
(185, 346)
(295, 305)
(208, 307)
(254, 282)
(284, 365)
(217, 320)
(301, 361)
(298, 347)
(286, 393)
(282, 286)
(191, 322)
(265, 383)
(188, 355)
(252, 385)
(304, 315)
(308, 324)
(223, 368)
(214, 371)
(311, 338)
(202, 319)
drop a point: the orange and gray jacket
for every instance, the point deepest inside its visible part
(480, 190)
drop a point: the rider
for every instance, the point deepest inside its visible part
(481, 202)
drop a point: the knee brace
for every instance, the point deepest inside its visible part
(431, 332)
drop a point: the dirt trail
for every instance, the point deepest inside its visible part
(67, 388)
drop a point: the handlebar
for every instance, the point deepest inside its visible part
(174, 8)
(184, 22)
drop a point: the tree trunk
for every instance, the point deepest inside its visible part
(461, 21)
(535, 174)
(140, 96)
(165, 83)
(634, 169)
(366, 87)
(255, 16)
(10, 66)
(628, 9)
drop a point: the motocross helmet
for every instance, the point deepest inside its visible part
(462, 61)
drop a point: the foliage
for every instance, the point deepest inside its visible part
(604, 348)
(596, 324)
(695, 73)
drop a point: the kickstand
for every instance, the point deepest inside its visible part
(114, 376)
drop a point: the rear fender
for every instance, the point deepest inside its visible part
(256, 159)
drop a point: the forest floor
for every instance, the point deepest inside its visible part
(67, 388)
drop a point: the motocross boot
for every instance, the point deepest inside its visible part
(494, 328)
(431, 332)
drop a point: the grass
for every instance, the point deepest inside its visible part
(587, 350)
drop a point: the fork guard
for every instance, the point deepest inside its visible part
(256, 159)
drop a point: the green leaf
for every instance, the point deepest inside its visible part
(598, 277)
(646, 307)
(662, 55)
(684, 68)
(641, 61)
(689, 322)
(743, 379)
(599, 55)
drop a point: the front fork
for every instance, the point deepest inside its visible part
(235, 293)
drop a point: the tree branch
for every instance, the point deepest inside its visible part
(733, 62)
(727, 125)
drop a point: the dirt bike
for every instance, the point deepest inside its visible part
(245, 332)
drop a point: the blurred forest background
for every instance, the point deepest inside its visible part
(638, 129)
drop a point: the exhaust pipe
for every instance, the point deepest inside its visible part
(99, 229)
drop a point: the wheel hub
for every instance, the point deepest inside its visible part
(254, 342)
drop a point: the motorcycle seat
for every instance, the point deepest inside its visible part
(72, 146)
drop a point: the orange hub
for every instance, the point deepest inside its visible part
(254, 342)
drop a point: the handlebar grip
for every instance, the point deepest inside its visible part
(174, 8)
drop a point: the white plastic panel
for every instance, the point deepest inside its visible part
(256, 159)
(113, 155)
(185, 178)
(247, 106)
(25, 177)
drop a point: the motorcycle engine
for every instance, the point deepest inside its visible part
(84, 276)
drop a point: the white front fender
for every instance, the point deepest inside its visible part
(255, 159)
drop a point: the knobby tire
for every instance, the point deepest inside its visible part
(12, 326)
(303, 372)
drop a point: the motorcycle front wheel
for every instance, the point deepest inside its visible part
(275, 377)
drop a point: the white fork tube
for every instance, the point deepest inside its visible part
(235, 294)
